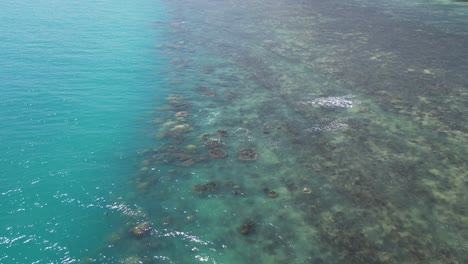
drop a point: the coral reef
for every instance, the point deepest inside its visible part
(206, 188)
(180, 128)
(222, 133)
(214, 143)
(247, 154)
(181, 114)
(373, 164)
(141, 229)
(217, 153)
(248, 227)
(270, 193)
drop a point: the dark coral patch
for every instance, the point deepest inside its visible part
(247, 154)
(217, 153)
(222, 133)
(247, 227)
(205, 188)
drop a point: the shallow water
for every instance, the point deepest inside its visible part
(78, 84)
(125, 147)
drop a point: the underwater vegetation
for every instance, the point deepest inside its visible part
(308, 138)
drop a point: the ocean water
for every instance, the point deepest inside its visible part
(79, 83)
(266, 131)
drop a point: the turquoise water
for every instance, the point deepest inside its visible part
(265, 131)
(79, 81)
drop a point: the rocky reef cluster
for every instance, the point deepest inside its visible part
(298, 150)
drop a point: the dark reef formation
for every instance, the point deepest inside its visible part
(217, 153)
(247, 154)
(248, 227)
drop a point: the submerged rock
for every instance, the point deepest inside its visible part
(170, 123)
(203, 136)
(213, 143)
(141, 230)
(181, 114)
(205, 188)
(248, 227)
(190, 147)
(217, 153)
(270, 193)
(180, 128)
(222, 133)
(185, 159)
(247, 154)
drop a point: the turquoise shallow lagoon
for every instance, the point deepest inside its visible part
(266, 131)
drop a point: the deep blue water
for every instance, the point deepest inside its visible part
(266, 131)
